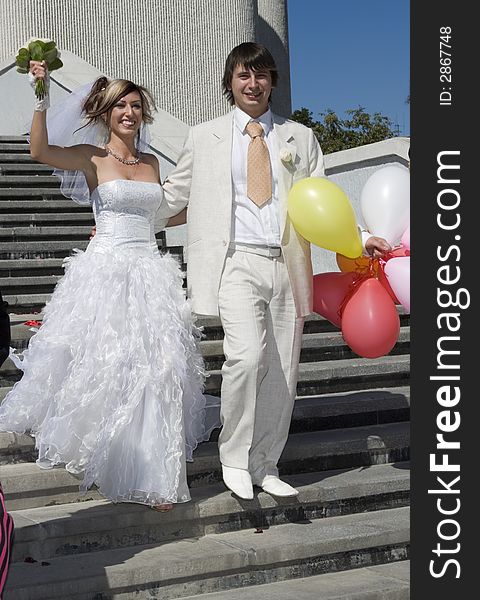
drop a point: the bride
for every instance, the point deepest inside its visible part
(113, 380)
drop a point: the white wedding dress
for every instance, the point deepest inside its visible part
(112, 383)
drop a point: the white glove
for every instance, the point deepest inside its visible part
(41, 105)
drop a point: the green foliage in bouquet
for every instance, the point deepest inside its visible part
(38, 50)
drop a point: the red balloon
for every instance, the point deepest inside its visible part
(329, 291)
(370, 322)
(383, 279)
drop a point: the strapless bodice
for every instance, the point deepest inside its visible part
(124, 213)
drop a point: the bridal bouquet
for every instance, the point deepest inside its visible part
(38, 49)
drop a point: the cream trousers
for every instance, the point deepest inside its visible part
(262, 346)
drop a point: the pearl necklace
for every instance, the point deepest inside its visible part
(135, 161)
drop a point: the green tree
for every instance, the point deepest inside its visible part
(357, 129)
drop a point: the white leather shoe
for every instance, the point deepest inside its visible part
(276, 487)
(239, 481)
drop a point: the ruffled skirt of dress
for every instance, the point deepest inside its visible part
(113, 380)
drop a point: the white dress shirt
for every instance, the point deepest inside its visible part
(250, 223)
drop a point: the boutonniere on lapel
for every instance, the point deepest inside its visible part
(286, 157)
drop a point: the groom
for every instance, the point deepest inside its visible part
(247, 264)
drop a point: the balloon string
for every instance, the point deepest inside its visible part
(391, 254)
(373, 267)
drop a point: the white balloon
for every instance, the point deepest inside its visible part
(397, 270)
(385, 203)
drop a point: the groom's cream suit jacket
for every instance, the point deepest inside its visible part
(203, 180)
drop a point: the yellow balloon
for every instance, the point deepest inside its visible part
(321, 213)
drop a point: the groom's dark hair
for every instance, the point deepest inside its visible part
(251, 56)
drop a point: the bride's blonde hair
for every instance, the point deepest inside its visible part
(105, 93)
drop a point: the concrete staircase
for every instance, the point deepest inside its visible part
(346, 536)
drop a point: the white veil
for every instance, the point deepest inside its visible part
(67, 126)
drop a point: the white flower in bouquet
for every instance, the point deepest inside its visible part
(40, 49)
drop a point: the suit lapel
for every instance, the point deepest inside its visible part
(286, 142)
(222, 157)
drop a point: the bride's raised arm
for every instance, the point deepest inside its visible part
(74, 158)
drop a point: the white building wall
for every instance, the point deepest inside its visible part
(177, 48)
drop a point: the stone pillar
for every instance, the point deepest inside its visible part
(272, 32)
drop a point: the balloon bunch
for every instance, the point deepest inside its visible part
(360, 299)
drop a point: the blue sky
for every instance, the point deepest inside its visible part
(350, 53)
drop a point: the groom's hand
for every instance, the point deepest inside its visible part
(93, 232)
(377, 246)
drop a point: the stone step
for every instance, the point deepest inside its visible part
(304, 452)
(40, 249)
(55, 248)
(10, 139)
(20, 318)
(22, 302)
(31, 168)
(337, 375)
(18, 155)
(379, 582)
(96, 525)
(351, 409)
(212, 328)
(46, 207)
(315, 346)
(341, 410)
(16, 289)
(23, 285)
(14, 181)
(314, 323)
(46, 219)
(338, 410)
(340, 375)
(31, 267)
(218, 561)
(26, 486)
(6, 147)
(29, 193)
(45, 233)
(353, 374)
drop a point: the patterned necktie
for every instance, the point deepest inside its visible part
(259, 174)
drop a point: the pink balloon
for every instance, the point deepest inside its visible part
(382, 278)
(397, 271)
(406, 238)
(370, 322)
(400, 251)
(329, 291)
